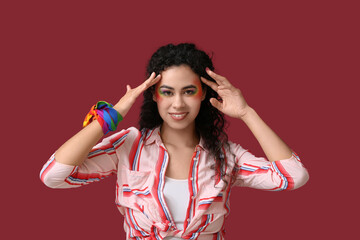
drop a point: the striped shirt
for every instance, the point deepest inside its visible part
(139, 159)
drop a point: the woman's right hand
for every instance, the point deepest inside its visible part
(126, 102)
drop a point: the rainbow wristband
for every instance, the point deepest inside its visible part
(106, 115)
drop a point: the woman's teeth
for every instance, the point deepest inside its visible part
(178, 116)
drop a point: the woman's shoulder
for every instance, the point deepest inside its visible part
(233, 145)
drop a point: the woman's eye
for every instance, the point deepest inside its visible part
(190, 92)
(166, 93)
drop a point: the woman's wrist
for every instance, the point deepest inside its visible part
(247, 114)
(120, 110)
(105, 114)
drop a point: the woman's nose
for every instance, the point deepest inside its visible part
(178, 101)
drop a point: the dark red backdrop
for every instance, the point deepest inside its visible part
(295, 62)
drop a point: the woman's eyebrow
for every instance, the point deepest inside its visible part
(190, 86)
(171, 88)
(164, 86)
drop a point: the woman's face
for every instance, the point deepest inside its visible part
(178, 96)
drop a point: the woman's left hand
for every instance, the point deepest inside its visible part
(232, 102)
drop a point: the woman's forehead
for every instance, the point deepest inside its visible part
(179, 76)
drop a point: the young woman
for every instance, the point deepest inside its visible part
(175, 173)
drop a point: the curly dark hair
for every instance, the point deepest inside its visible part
(210, 122)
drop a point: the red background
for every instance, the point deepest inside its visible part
(296, 63)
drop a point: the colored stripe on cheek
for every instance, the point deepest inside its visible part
(159, 95)
(199, 91)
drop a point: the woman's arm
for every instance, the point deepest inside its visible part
(101, 162)
(234, 105)
(74, 151)
(80, 161)
(282, 170)
(272, 145)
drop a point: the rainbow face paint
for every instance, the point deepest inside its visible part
(164, 91)
(198, 93)
(161, 93)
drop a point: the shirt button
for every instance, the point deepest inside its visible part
(169, 224)
(188, 219)
(192, 197)
(191, 179)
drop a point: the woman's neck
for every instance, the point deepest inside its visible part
(179, 137)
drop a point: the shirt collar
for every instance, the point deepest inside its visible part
(153, 135)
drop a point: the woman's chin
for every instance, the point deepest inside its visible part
(179, 125)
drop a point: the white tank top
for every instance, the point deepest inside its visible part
(176, 193)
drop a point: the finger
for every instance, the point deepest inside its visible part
(151, 82)
(152, 79)
(218, 78)
(222, 87)
(128, 88)
(148, 83)
(155, 80)
(216, 104)
(211, 84)
(152, 75)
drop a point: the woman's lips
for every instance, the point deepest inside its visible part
(178, 116)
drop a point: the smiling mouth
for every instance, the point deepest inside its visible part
(178, 116)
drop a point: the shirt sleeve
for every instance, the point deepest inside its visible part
(101, 162)
(259, 173)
